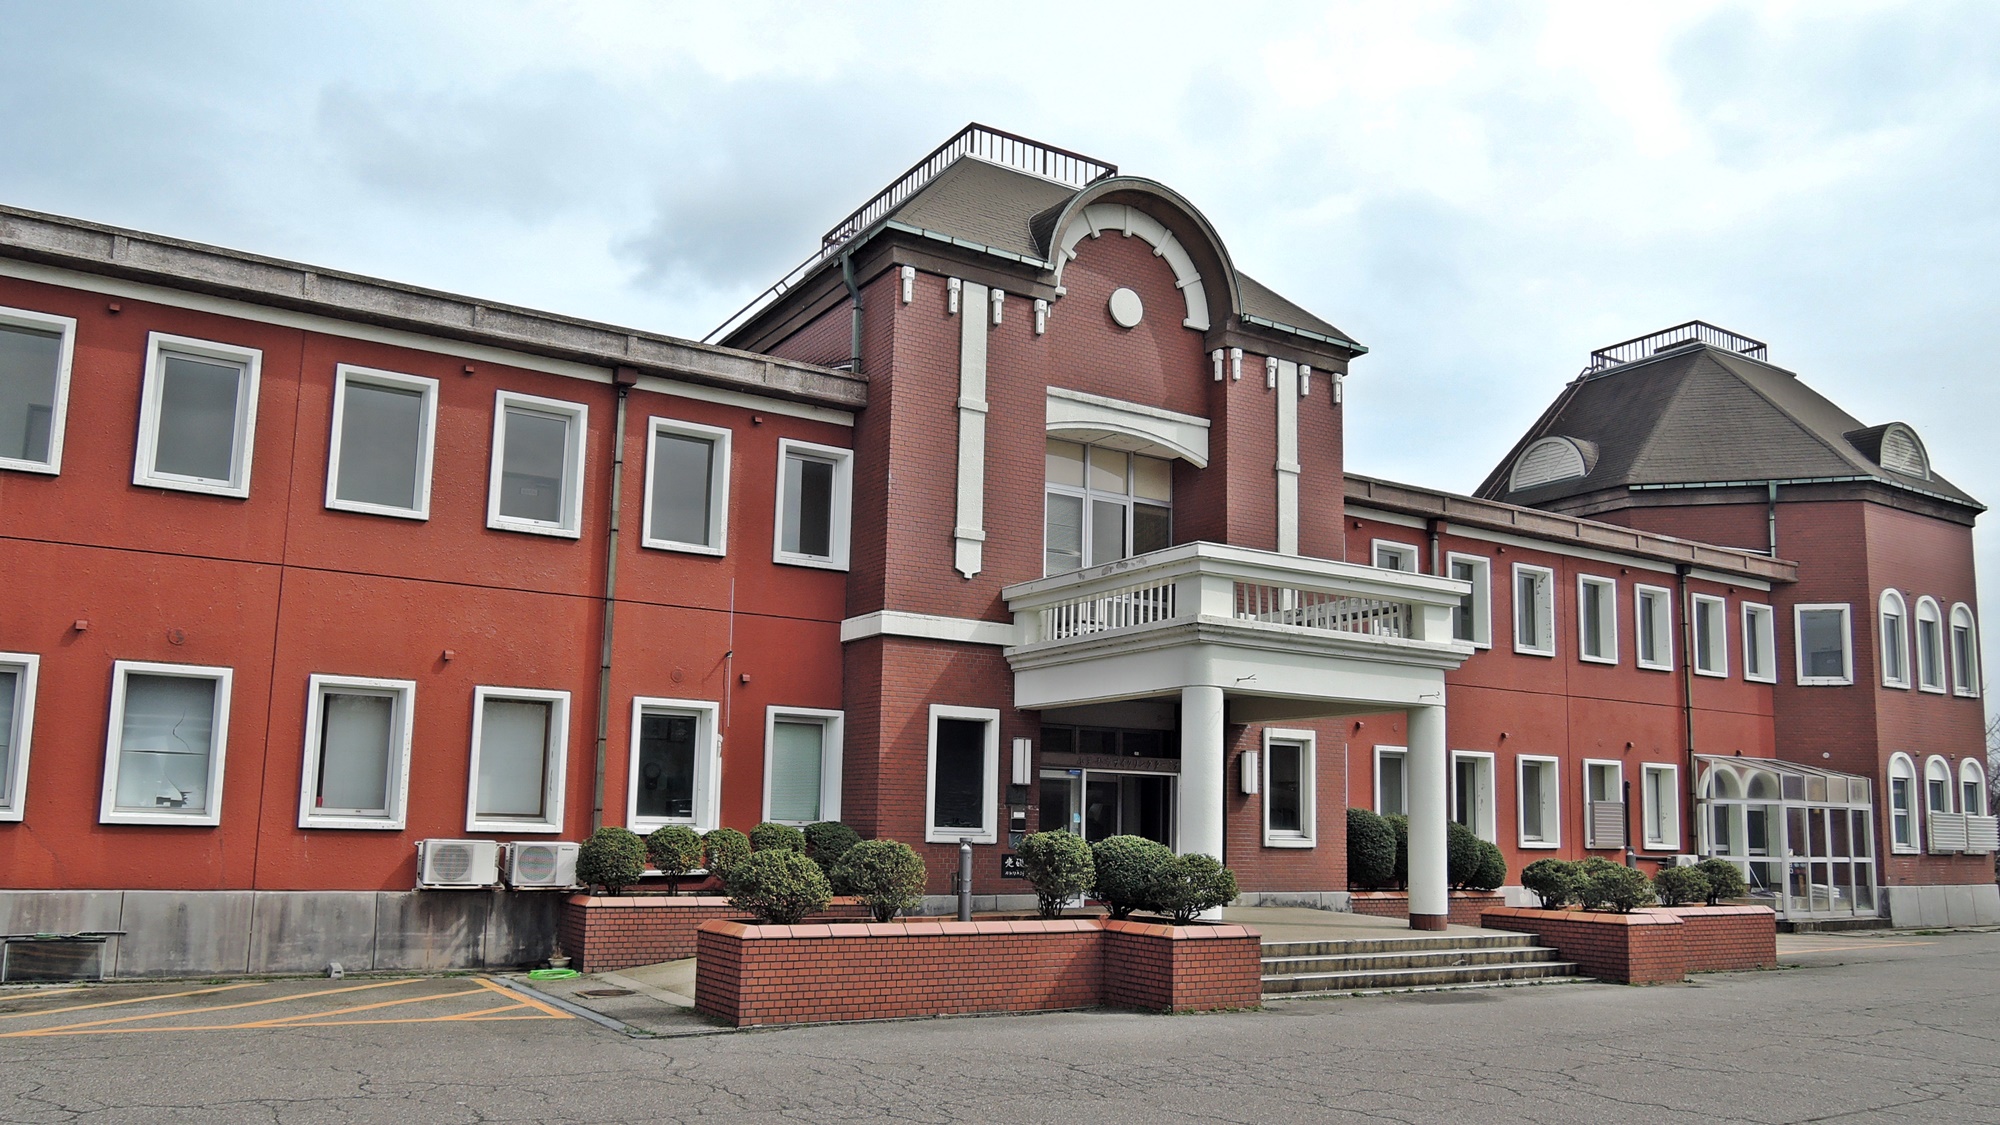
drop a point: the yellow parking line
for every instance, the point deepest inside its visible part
(136, 1000)
(72, 1028)
(548, 1010)
(481, 1012)
(281, 1021)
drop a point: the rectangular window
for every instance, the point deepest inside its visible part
(169, 731)
(1902, 815)
(1930, 647)
(1391, 781)
(537, 474)
(1660, 808)
(357, 755)
(815, 484)
(687, 487)
(1597, 619)
(520, 755)
(1760, 639)
(35, 355)
(197, 416)
(1655, 626)
(1964, 658)
(1534, 610)
(18, 671)
(384, 426)
(1472, 792)
(1603, 804)
(1395, 556)
(1102, 505)
(1289, 805)
(964, 768)
(1711, 652)
(1895, 642)
(1822, 634)
(1472, 618)
(801, 765)
(675, 762)
(1541, 807)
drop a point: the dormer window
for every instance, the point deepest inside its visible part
(1550, 460)
(1896, 447)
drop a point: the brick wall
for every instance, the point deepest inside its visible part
(604, 934)
(1467, 907)
(1651, 946)
(1182, 968)
(1726, 938)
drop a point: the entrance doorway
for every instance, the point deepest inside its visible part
(1096, 804)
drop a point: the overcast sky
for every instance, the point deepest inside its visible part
(1481, 193)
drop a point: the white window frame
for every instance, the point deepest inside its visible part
(707, 764)
(403, 716)
(1972, 773)
(1483, 809)
(1918, 654)
(1937, 769)
(570, 526)
(1964, 674)
(1670, 839)
(26, 667)
(158, 344)
(1662, 615)
(108, 811)
(1718, 629)
(1760, 652)
(989, 797)
(833, 724)
(1402, 755)
(1308, 834)
(1608, 611)
(1551, 770)
(1482, 595)
(555, 777)
(1583, 796)
(718, 487)
(59, 410)
(346, 374)
(1902, 767)
(843, 505)
(1398, 554)
(1901, 612)
(1846, 648)
(1545, 600)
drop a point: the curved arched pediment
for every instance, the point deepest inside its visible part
(1106, 207)
(1130, 426)
(1550, 460)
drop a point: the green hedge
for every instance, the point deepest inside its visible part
(1186, 885)
(724, 848)
(1725, 879)
(1126, 866)
(1371, 850)
(613, 858)
(887, 875)
(1605, 885)
(1679, 886)
(675, 850)
(780, 886)
(770, 836)
(1554, 881)
(827, 841)
(1060, 867)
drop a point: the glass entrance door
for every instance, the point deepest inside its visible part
(1096, 804)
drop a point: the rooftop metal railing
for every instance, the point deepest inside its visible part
(1640, 347)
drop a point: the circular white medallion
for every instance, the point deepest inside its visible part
(1126, 309)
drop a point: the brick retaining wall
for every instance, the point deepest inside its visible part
(1466, 906)
(1166, 968)
(1651, 946)
(605, 934)
(1725, 938)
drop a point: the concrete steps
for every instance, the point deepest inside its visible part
(1309, 968)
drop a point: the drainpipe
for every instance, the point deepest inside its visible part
(622, 379)
(1436, 527)
(853, 295)
(1687, 676)
(1771, 514)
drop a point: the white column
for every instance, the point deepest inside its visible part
(1201, 772)
(1288, 457)
(969, 534)
(1430, 898)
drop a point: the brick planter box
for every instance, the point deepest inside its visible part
(604, 934)
(752, 975)
(1651, 946)
(1466, 906)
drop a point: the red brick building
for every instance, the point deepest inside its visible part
(1016, 506)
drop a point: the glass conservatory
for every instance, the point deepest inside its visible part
(1803, 837)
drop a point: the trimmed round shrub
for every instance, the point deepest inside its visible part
(1678, 886)
(770, 837)
(613, 858)
(827, 841)
(1186, 885)
(1492, 869)
(675, 850)
(887, 875)
(1725, 880)
(1605, 885)
(1371, 850)
(1125, 869)
(1060, 866)
(724, 848)
(1400, 825)
(780, 886)
(1554, 881)
(1461, 855)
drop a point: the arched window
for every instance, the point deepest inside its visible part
(1937, 785)
(1972, 788)
(1902, 803)
(1546, 462)
(1895, 630)
(1964, 651)
(1930, 645)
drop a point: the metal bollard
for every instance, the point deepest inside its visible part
(965, 880)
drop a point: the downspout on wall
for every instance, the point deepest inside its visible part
(622, 379)
(853, 296)
(1687, 691)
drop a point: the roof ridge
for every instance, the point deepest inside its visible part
(1850, 455)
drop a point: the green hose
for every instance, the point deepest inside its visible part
(553, 974)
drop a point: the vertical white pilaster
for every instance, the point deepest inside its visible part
(1201, 771)
(1430, 897)
(1287, 376)
(969, 534)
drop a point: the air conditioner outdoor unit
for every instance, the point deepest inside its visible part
(542, 865)
(1686, 860)
(457, 863)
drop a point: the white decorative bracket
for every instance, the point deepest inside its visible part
(1236, 365)
(1270, 373)
(951, 288)
(1216, 356)
(1041, 316)
(999, 298)
(1339, 387)
(1305, 380)
(909, 284)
